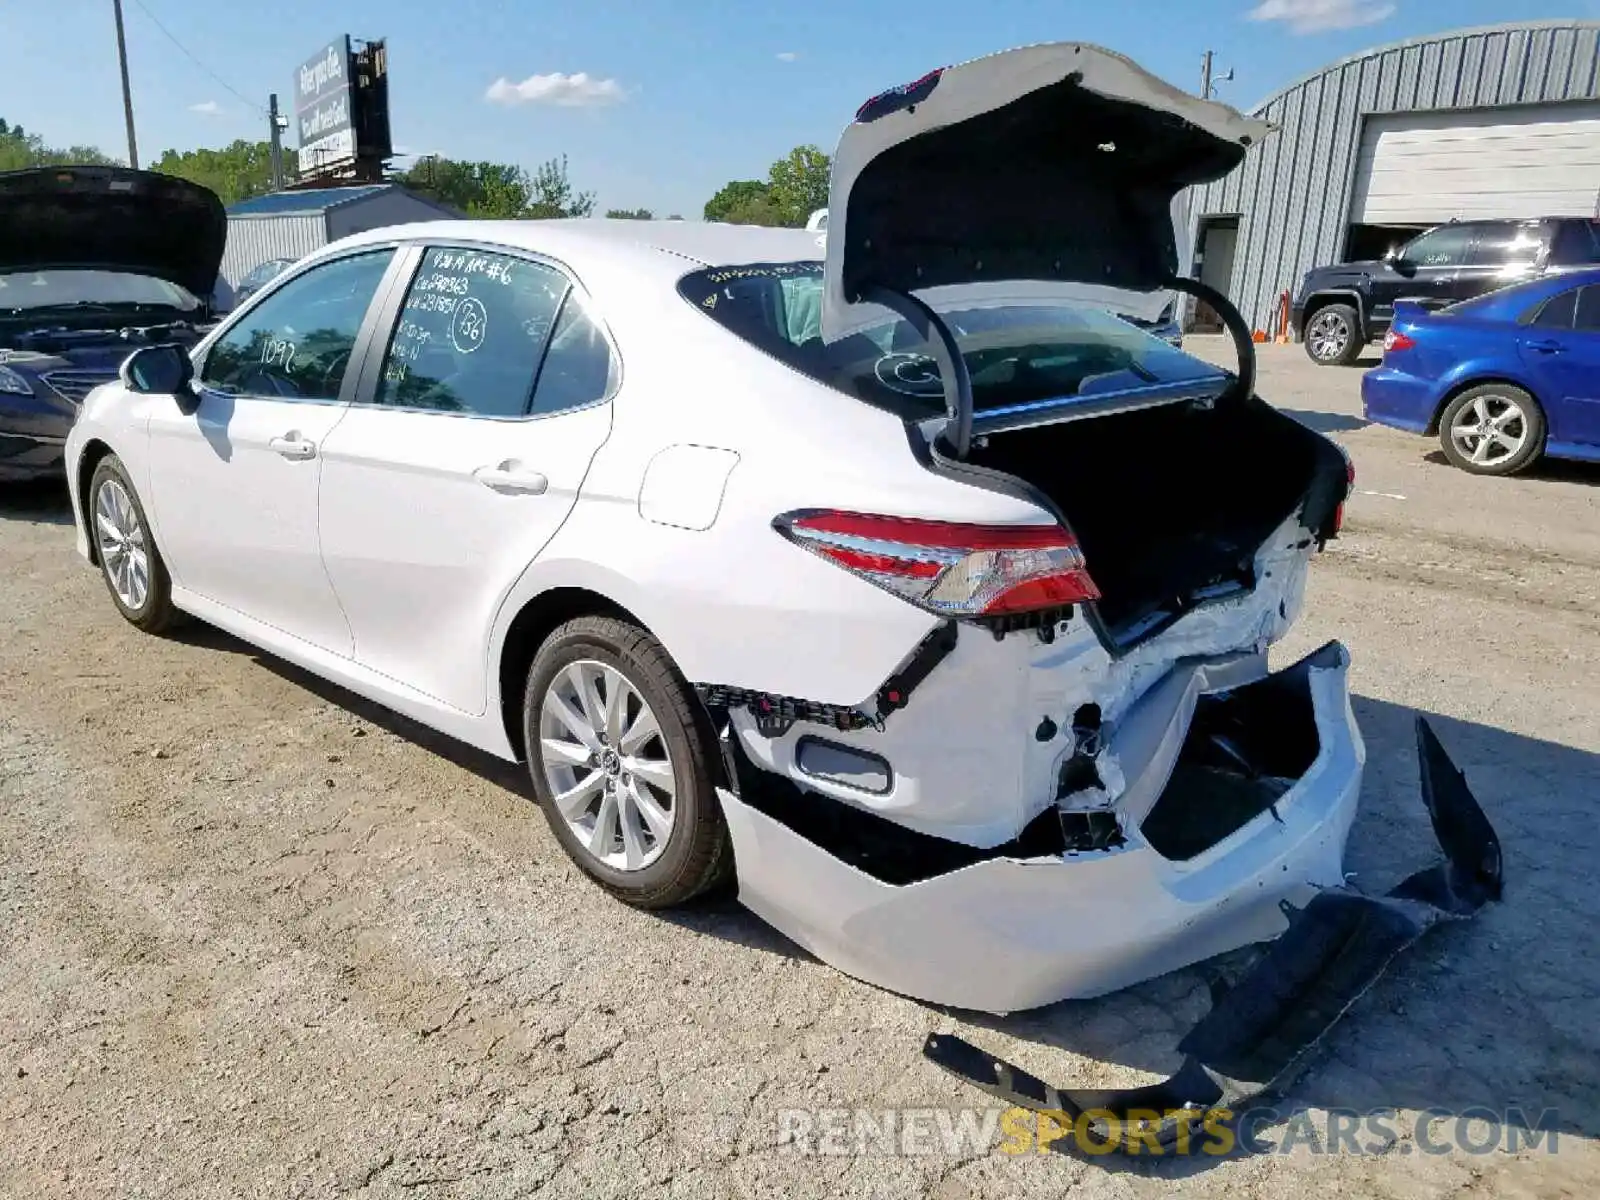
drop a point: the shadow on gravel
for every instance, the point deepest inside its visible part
(40, 503)
(1326, 422)
(1552, 470)
(1498, 1013)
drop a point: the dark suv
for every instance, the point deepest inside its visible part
(1337, 310)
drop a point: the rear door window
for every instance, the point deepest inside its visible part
(1588, 315)
(1558, 311)
(478, 329)
(1500, 244)
(1576, 242)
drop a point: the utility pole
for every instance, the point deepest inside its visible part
(1206, 86)
(277, 123)
(127, 91)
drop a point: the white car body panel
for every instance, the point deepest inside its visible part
(387, 565)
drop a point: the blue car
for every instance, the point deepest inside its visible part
(1500, 379)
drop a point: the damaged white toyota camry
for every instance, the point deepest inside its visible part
(900, 577)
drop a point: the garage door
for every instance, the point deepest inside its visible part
(1426, 168)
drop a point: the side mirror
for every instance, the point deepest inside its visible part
(159, 371)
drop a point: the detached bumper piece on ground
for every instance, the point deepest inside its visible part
(1261, 1030)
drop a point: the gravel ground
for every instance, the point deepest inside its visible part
(258, 938)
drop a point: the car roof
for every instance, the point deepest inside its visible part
(595, 243)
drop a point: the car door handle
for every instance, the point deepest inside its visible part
(292, 445)
(506, 477)
(1546, 347)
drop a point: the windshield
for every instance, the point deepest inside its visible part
(1015, 354)
(48, 289)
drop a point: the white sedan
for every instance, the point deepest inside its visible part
(902, 578)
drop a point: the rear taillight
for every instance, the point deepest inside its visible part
(953, 569)
(1394, 340)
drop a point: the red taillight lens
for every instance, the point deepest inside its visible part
(1393, 341)
(953, 569)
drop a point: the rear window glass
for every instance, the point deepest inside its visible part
(1016, 354)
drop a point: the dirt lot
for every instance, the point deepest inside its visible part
(258, 938)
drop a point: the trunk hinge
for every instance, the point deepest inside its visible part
(957, 434)
(1233, 321)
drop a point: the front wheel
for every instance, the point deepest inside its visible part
(623, 763)
(1333, 335)
(1492, 429)
(130, 562)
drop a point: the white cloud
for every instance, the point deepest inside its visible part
(787, 56)
(568, 91)
(207, 108)
(1318, 16)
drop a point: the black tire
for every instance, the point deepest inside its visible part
(696, 856)
(1333, 335)
(154, 612)
(1496, 399)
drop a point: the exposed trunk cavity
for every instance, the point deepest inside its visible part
(1245, 748)
(1171, 504)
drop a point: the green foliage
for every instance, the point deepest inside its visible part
(795, 187)
(236, 172)
(20, 150)
(499, 190)
(630, 214)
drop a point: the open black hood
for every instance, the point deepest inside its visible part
(1061, 165)
(112, 219)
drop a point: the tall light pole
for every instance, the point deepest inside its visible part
(127, 91)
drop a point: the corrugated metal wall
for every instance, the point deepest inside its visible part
(385, 208)
(1292, 193)
(253, 240)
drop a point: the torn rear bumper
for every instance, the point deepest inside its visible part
(1009, 933)
(1261, 1031)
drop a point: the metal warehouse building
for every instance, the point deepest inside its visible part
(1502, 121)
(294, 223)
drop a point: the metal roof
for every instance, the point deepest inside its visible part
(1292, 193)
(311, 200)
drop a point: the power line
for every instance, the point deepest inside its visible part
(228, 87)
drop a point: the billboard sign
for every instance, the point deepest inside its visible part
(323, 103)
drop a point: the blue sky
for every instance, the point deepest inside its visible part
(672, 97)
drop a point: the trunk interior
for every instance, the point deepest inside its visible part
(1171, 504)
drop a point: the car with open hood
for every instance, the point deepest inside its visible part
(895, 577)
(94, 263)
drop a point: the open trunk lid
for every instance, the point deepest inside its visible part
(1047, 172)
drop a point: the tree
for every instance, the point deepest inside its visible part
(20, 150)
(631, 214)
(236, 172)
(798, 183)
(795, 187)
(498, 190)
(552, 196)
(734, 196)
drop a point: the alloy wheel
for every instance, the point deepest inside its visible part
(1490, 430)
(123, 548)
(607, 765)
(1329, 335)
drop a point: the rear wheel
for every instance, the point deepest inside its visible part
(1492, 429)
(130, 562)
(623, 763)
(1333, 335)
